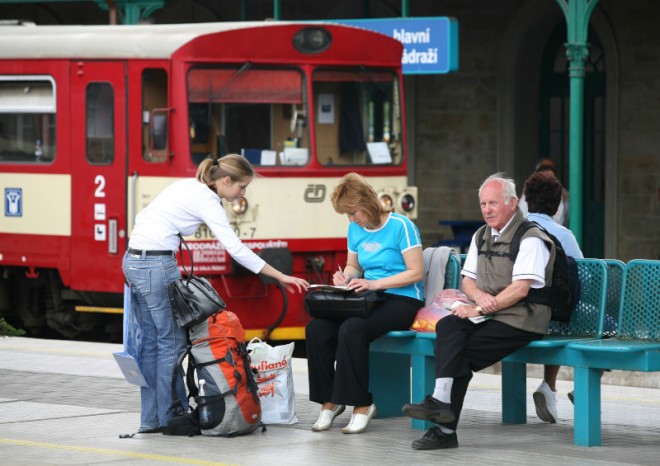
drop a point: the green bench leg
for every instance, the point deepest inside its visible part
(587, 407)
(423, 383)
(514, 393)
(389, 382)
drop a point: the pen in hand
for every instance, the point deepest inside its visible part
(347, 279)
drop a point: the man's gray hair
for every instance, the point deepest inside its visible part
(508, 186)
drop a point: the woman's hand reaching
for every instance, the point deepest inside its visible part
(288, 282)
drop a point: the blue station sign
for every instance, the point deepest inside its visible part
(430, 45)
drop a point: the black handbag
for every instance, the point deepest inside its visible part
(341, 304)
(193, 299)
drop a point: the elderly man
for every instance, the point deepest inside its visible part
(498, 321)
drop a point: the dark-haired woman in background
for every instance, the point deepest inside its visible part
(543, 192)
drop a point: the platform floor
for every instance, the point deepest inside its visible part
(64, 402)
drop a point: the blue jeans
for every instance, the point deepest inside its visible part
(163, 341)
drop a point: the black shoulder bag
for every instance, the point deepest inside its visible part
(192, 298)
(331, 303)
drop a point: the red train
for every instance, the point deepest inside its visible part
(96, 120)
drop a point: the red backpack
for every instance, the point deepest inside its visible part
(228, 400)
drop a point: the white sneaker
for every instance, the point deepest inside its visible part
(545, 401)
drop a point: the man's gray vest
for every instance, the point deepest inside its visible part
(495, 272)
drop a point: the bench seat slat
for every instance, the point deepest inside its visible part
(615, 346)
(401, 333)
(556, 341)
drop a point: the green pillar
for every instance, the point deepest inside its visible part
(277, 10)
(132, 14)
(577, 14)
(244, 10)
(132, 11)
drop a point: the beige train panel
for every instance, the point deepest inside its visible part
(141, 191)
(45, 204)
(292, 208)
(303, 208)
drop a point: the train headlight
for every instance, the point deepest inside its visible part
(407, 202)
(386, 200)
(239, 205)
(312, 40)
(402, 201)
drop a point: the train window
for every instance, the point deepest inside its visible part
(154, 96)
(250, 110)
(358, 117)
(27, 119)
(100, 117)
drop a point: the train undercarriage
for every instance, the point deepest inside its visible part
(35, 301)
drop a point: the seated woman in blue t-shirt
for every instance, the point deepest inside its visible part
(384, 254)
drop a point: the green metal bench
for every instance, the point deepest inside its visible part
(587, 323)
(636, 346)
(615, 269)
(417, 350)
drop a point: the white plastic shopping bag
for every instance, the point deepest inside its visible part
(275, 381)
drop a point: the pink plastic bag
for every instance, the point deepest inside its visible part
(440, 307)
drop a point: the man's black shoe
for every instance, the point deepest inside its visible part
(430, 410)
(435, 439)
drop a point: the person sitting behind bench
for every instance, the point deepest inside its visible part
(497, 286)
(543, 192)
(561, 214)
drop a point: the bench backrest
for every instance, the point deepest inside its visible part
(639, 310)
(589, 313)
(615, 270)
(597, 300)
(453, 272)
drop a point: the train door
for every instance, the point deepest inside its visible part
(98, 174)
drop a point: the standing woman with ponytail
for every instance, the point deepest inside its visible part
(150, 266)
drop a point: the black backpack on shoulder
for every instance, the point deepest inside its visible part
(563, 293)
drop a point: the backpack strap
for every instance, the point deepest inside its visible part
(176, 405)
(544, 295)
(190, 375)
(480, 237)
(514, 246)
